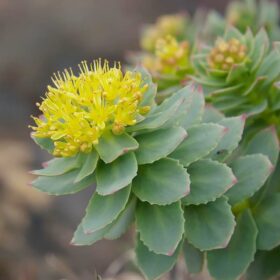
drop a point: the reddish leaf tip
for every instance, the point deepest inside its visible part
(45, 164)
(243, 117)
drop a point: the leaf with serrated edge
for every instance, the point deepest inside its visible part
(88, 166)
(251, 172)
(201, 140)
(230, 141)
(111, 231)
(124, 220)
(209, 180)
(59, 166)
(158, 144)
(116, 175)
(232, 261)
(162, 182)
(160, 227)
(267, 217)
(82, 239)
(195, 111)
(152, 265)
(63, 184)
(111, 146)
(103, 210)
(209, 226)
(265, 142)
(158, 119)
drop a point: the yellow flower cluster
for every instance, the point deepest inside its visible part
(78, 109)
(170, 56)
(173, 25)
(225, 54)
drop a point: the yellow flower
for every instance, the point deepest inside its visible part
(78, 109)
(174, 25)
(170, 56)
(225, 54)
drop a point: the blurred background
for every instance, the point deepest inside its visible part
(37, 38)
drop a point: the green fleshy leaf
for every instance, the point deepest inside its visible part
(111, 146)
(88, 166)
(236, 71)
(231, 262)
(63, 184)
(251, 172)
(195, 111)
(261, 46)
(82, 239)
(187, 95)
(103, 210)
(235, 127)
(209, 180)
(270, 67)
(44, 143)
(116, 175)
(209, 226)
(59, 166)
(154, 265)
(201, 140)
(211, 114)
(121, 224)
(163, 182)
(267, 217)
(111, 231)
(160, 227)
(265, 142)
(158, 117)
(193, 257)
(158, 144)
(265, 266)
(149, 95)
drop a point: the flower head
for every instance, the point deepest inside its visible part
(170, 55)
(225, 54)
(165, 25)
(78, 109)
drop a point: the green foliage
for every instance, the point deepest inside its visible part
(194, 178)
(232, 261)
(209, 226)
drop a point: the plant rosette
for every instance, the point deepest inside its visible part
(240, 74)
(160, 166)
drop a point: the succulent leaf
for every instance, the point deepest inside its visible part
(194, 258)
(231, 262)
(209, 226)
(209, 180)
(111, 146)
(267, 216)
(103, 210)
(158, 144)
(202, 139)
(160, 227)
(265, 142)
(63, 184)
(249, 181)
(163, 182)
(154, 265)
(88, 166)
(59, 166)
(112, 177)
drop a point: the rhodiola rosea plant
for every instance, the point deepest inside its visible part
(173, 169)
